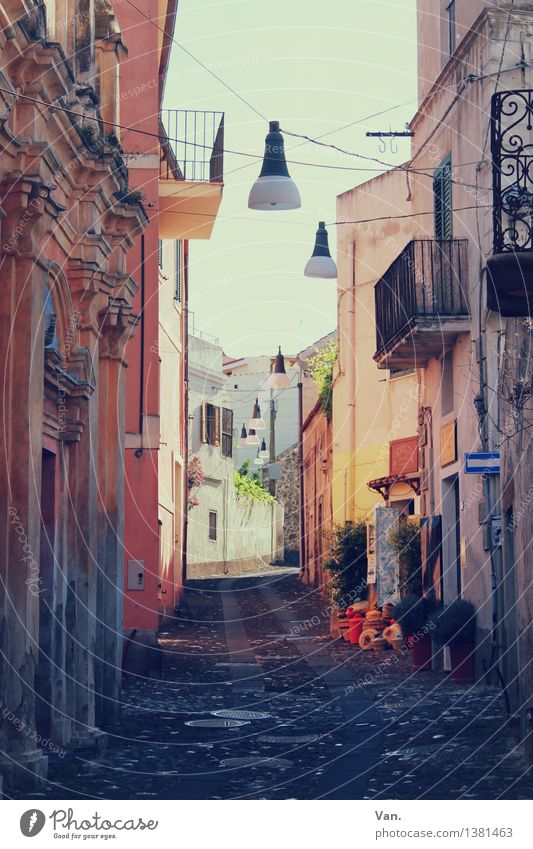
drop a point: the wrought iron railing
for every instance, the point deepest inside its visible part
(192, 145)
(512, 163)
(424, 281)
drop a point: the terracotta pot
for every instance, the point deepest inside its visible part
(421, 658)
(462, 658)
(355, 628)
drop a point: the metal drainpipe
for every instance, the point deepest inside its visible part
(496, 579)
(301, 474)
(141, 387)
(185, 407)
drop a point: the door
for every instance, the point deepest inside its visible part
(451, 539)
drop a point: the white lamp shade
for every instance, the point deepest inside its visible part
(257, 424)
(252, 439)
(321, 266)
(264, 455)
(278, 381)
(272, 193)
(258, 461)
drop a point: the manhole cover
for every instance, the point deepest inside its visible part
(279, 763)
(216, 723)
(242, 714)
(281, 738)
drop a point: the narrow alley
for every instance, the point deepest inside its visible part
(256, 701)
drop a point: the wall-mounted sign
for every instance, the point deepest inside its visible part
(482, 463)
(448, 443)
(403, 456)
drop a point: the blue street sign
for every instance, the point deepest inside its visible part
(482, 463)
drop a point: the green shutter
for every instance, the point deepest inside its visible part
(442, 196)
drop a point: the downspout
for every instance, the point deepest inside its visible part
(301, 475)
(141, 369)
(351, 374)
(185, 308)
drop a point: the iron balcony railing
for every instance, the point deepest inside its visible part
(424, 282)
(512, 170)
(192, 145)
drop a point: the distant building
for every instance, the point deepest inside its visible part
(226, 534)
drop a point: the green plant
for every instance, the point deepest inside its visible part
(346, 563)
(320, 368)
(412, 613)
(455, 623)
(405, 543)
(250, 487)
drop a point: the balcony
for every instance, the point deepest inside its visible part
(510, 270)
(190, 172)
(421, 303)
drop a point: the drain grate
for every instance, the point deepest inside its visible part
(286, 738)
(279, 763)
(242, 714)
(216, 723)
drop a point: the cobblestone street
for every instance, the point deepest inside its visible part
(320, 718)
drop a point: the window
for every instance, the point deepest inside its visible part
(210, 424)
(442, 196)
(400, 372)
(213, 525)
(227, 432)
(452, 41)
(160, 253)
(178, 270)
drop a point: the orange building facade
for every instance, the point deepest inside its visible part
(181, 188)
(317, 438)
(67, 222)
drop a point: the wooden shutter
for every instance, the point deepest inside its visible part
(227, 432)
(442, 197)
(203, 422)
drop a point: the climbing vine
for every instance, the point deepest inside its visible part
(320, 368)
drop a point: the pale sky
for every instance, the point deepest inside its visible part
(314, 66)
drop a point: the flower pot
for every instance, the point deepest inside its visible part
(462, 658)
(421, 646)
(355, 628)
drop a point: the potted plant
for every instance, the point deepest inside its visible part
(405, 543)
(412, 614)
(346, 566)
(455, 626)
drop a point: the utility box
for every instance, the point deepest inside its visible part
(135, 575)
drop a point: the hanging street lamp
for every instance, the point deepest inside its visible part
(274, 188)
(263, 452)
(256, 422)
(242, 440)
(252, 438)
(321, 264)
(259, 460)
(279, 379)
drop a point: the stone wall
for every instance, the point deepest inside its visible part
(288, 493)
(249, 534)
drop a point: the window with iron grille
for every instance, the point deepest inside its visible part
(160, 253)
(442, 196)
(227, 432)
(213, 525)
(178, 270)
